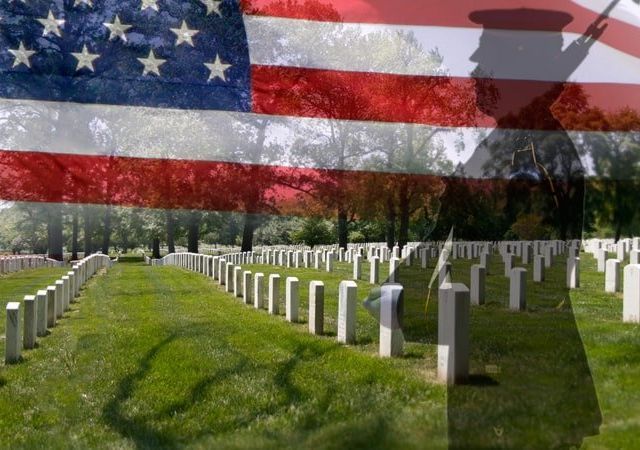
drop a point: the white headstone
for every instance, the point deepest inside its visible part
(485, 260)
(30, 321)
(329, 261)
(391, 314)
(347, 298)
(538, 268)
(246, 287)
(52, 313)
(316, 307)
(408, 257)
(612, 276)
(517, 289)
(237, 277)
(394, 270)
(228, 277)
(573, 272)
(292, 299)
(12, 344)
(424, 257)
(222, 271)
(41, 313)
(621, 253)
(258, 282)
(444, 275)
(548, 256)
(357, 267)
(526, 253)
(374, 270)
(274, 293)
(59, 298)
(508, 264)
(453, 333)
(477, 284)
(66, 292)
(631, 294)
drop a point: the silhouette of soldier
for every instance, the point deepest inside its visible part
(548, 400)
(542, 394)
(518, 78)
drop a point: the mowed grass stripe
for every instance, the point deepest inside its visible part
(159, 357)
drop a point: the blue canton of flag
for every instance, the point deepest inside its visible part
(156, 53)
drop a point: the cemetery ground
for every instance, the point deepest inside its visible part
(154, 357)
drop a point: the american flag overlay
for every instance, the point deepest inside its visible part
(198, 104)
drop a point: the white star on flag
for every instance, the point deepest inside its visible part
(213, 6)
(153, 4)
(151, 63)
(85, 59)
(51, 25)
(83, 2)
(21, 55)
(184, 34)
(117, 29)
(217, 69)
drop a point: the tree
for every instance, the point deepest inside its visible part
(314, 231)
(171, 230)
(54, 232)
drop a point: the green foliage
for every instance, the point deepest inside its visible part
(313, 231)
(357, 237)
(529, 227)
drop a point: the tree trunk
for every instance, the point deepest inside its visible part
(403, 232)
(54, 232)
(106, 237)
(403, 203)
(342, 229)
(156, 248)
(391, 223)
(193, 232)
(171, 231)
(247, 232)
(74, 234)
(88, 230)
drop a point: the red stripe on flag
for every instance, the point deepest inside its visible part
(619, 34)
(430, 100)
(168, 183)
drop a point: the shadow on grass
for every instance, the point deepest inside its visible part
(481, 380)
(143, 435)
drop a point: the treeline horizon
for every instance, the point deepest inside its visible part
(51, 228)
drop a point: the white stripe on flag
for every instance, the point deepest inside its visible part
(406, 50)
(228, 137)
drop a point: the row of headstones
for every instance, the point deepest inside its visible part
(630, 289)
(454, 300)
(250, 287)
(317, 259)
(10, 264)
(41, 311)
(611, 267)
(453, 317)
(286, 256)
(292, 257)
(623, 248)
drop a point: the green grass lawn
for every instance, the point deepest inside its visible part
(160, 357)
